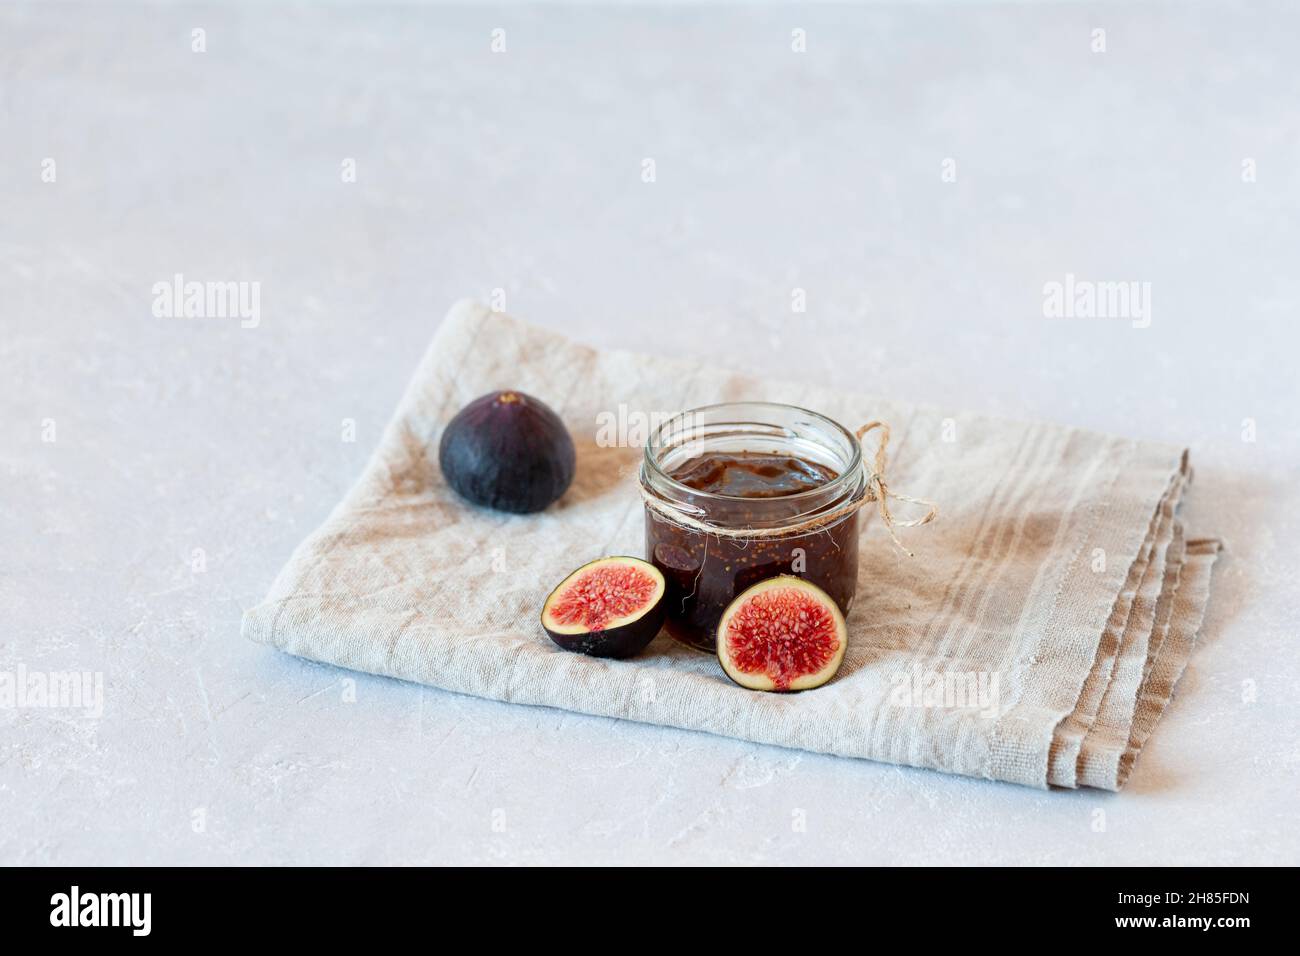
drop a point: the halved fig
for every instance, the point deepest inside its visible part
(611, 607)
(782, 634)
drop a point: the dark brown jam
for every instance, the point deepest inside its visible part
(751, 474)
(704, 572)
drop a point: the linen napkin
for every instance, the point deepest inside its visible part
(1036, 636)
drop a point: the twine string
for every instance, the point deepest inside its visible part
(877, 489)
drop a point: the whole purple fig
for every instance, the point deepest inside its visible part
(508, 451)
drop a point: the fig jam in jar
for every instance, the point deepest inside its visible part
(715, 474)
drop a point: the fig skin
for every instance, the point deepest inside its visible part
(508, 451)
(762, 680)
(626, 640)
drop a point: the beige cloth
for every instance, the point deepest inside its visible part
(1035, 638)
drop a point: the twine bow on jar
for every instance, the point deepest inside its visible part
(876, 489)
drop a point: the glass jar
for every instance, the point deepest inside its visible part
(696, 538)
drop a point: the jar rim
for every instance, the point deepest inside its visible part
(836, 484)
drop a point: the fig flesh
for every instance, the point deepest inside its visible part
(782, 634)
(508, 451)
(611, 607)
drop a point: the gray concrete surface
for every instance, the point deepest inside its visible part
(156, 472)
